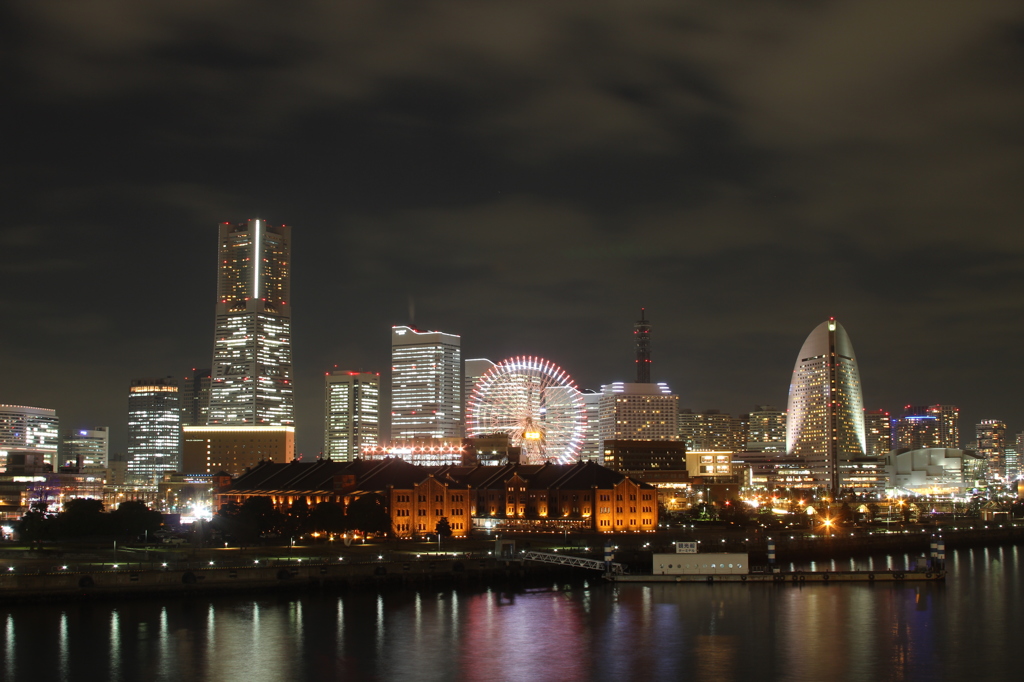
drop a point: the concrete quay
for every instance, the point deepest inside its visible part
(85, 584)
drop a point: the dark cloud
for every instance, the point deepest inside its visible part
(531, 173)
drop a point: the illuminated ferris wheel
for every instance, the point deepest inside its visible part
(533, 401)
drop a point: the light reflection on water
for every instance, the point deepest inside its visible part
(115, 645)
(62, 644)
(9, 648)
(964, 629)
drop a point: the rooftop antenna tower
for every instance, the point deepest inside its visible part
(642, 332)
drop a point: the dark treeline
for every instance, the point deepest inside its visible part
(256, 518)
(250, 522)
(86, 518)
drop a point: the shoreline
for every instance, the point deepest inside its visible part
(398, 569)
(81, 585)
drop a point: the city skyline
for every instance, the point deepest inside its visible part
(320, 450)
(525, 177)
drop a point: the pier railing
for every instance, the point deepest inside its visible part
(569, 560)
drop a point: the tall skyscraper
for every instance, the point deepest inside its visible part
(351, 413)
(991, 435)
(826, 409)
(86, 447)
(154, 427)
(252, 353)
(195, 398)
(426, 384)
(878, 433)
(766, 430)
(28, 429)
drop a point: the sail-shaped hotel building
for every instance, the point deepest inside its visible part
(825, 424)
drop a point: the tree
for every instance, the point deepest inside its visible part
(734, 510)
(328, 517)
(257, 516)
(228, 521)
(368, 514)
(83, 506)
(134, 518)
(82, 516)
(36, 524)
(702, 511)
(229, 510)
(298, 517)
(443, 529)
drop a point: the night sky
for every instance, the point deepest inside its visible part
(530, 174)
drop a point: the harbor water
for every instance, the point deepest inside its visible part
(967, 628)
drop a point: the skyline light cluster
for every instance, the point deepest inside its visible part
(251, 384)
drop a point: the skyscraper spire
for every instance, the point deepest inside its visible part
(642, 331)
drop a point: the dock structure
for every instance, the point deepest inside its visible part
(789, 578)
(569, 560)
(687, 565)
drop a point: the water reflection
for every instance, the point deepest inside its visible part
(115, 646)
(964, 629)
(165, 651)
(62, 644)
(9, 655)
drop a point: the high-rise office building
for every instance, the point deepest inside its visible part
(1018, 451)
(766, 430)
(28, 429)
(154, 427)
(252, 354)
(593, 444)
(1012, 462)
(233, 449)
(426, 384)
(351, 413)
(86, 447)
(991, 435)
(877, 433)
(195, 398)
(739, 429)
(826, 409)
(709, 430)
(915, 430)
(928, 426)
(949, 424)
(473, 369)
(638, 412)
